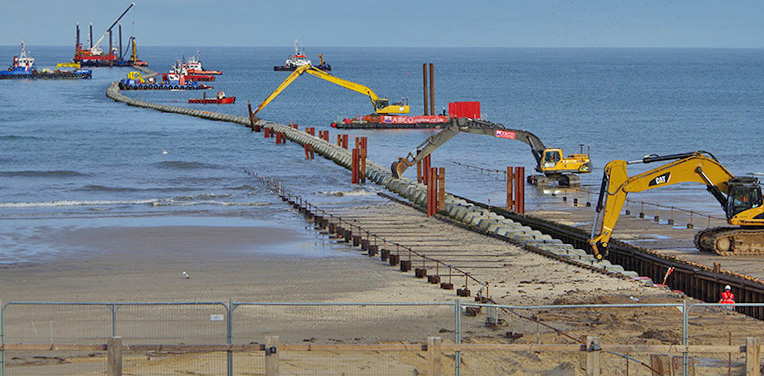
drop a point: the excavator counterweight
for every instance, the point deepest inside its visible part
(739, 197)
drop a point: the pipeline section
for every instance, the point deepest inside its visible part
(459, 210)
(547, 238)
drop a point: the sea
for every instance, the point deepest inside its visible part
(70, 158)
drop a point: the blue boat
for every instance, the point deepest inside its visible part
(23, 68)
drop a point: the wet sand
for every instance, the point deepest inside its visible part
(129, 264)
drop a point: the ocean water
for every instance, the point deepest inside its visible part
(72, 158)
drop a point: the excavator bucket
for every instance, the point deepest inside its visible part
(399, 167)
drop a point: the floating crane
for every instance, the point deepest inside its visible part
(95, 56)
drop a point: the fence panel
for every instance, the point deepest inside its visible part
(93, 322)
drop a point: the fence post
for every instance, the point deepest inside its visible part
(752, 356)
(272, 356)
(660, 365)
(229, 337)
(593, 352)
(2, 337)
(685, 336)
(114, 356)
(434, 365)
(457, 333)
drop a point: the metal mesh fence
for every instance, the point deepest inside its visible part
(352, 363)
(341, 323)
(155, 363)
(172, 324)
(55, 323)
(345, 328)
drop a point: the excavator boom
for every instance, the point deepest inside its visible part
(688, 167)
(381, 105)
(487, 128)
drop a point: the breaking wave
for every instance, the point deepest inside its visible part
(149, 202)
(72, 203)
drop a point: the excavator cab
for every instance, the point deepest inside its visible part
(744, 194)
(552, 162)
(552, 157)
(383, 106)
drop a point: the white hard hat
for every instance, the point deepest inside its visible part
(727, 287)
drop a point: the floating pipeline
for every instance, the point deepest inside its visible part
(551, 239)
(82, 74)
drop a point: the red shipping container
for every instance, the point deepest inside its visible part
(464, 109)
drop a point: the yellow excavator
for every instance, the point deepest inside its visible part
(75, 66)
(381, 105)
(135, 76)
(549, 161)
(740, 197)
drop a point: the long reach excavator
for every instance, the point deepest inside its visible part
(548, 161)
(740, 198)
(381, 105)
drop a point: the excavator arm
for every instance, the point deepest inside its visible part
(470, 126)
(381, 105)
(616, 185)
(297, 73)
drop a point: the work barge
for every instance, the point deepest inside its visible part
(548, 238)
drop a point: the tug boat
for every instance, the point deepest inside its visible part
(23, 67)
(299, 59)
(194, 66)
(182, 68)
(220, 98)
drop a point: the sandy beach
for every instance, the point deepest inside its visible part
(144, 264)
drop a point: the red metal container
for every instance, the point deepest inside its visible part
(464, 109)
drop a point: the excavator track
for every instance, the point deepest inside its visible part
(731, 241)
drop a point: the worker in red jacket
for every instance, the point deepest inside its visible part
(727, 296)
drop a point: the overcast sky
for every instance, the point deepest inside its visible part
(394, 23)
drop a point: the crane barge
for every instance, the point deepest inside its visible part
(95, 56)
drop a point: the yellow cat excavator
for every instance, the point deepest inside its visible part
(740, 197)
(549, 161)
(381, 105)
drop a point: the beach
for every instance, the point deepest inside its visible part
(145, 264)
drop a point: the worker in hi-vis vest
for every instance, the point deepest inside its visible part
(727, 296)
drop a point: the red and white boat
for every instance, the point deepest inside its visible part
(180, 68)
(220, 98)
(194, 66)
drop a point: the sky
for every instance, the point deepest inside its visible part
(395, 23)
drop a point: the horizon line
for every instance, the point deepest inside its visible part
(430, 47)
